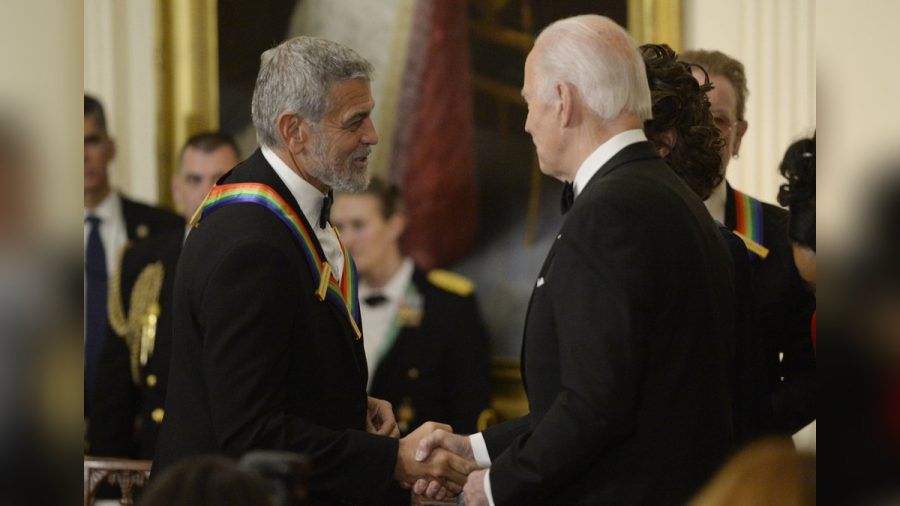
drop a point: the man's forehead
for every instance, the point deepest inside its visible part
(351, 94)
(198, 159)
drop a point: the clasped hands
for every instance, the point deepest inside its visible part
(432, 460)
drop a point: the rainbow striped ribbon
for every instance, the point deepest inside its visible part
(748, 214)
(343, 294)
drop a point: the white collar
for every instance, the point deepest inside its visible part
(603, 154)
(307, 195)
(715, 204)
(108, 209)
(395, 287)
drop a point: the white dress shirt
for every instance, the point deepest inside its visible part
(378, 320)
(310, 200)
(112, 229)
(603, 154)
(715, 204)
(586, 171)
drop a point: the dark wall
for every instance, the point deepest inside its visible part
(246, 29)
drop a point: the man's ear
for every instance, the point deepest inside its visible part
(293, 131)
(740, 128)
(566, 95)
(396, 225)
(176, 188)
(111, 147)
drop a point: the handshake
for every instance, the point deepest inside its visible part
(431, 460)
(435, 462)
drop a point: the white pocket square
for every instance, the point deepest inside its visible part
(540, 282)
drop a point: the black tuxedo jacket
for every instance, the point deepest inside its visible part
(627, 352)
(785, 306)
(259, 362)
(438, 369)
(119, 405)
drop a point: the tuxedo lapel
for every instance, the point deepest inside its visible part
(257, 170)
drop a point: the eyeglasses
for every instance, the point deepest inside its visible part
(724, 124)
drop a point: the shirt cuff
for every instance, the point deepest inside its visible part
(479, 450)
(487, 487)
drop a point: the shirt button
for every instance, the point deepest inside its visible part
(412, 373)
(157, 415)
(151, 380)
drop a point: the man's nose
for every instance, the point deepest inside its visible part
(370, 137)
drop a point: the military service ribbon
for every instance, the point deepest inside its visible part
(342, 294)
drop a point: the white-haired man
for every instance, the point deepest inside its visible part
(629, 331)
(267, 350)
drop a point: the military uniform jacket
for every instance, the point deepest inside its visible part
(259, 362)
(785, 308)
(627, 352)
(143, 221)
(125, 400)
(439, 366)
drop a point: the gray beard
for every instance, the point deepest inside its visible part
(338, 178)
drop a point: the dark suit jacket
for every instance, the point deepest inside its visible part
(440, 369)
(627, 350)
(258, 362)
(785, 308)
(119, 403)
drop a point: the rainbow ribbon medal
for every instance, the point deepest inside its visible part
(344, 294)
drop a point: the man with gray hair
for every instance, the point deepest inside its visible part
(267, 350)
(630, 328)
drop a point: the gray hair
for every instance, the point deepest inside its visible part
(600, 59)
(295, 76)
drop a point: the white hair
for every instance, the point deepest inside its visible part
(600, 59)
(295, 76)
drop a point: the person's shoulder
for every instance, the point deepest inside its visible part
(159, 246)
(450, 283)
(134, 210)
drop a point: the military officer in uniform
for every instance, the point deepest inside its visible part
(111, 220)
(129, 405)
(424, 338)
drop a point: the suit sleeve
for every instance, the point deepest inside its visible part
(249, 306)
(601, 285)
(116, 402)
(468, 367)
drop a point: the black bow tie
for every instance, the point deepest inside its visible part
(568, 198)
(375, 299)
(325, 215)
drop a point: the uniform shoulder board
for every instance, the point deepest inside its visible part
(451, 282)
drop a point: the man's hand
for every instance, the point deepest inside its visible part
(474, 489)
(380, 418)
(440, 438)
(447, 469)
